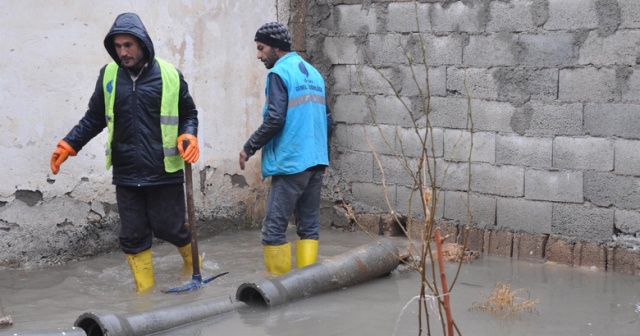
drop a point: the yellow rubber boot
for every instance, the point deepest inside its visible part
(306, 252)
(187, 257)
(277, 259)
(142, 268)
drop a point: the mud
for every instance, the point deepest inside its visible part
(572, 301)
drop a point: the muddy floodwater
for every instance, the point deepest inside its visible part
(572, 301)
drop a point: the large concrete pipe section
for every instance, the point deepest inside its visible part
(146, 323)
(352, 267)
(59, 332)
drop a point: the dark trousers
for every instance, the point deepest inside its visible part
(296, 194)
(148, 211)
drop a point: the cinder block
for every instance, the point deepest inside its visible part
(572, 15)
(597, 49)
(387, 49)
(391, 225)
(340, 218)
(341, 50)
(589, 85)
(492, 116)
(627, 160)
(546, 119)
(401, 17)
(490, 50)
(368, 223)
(449, 230)
(500, 242)
(482, 208)
(583, 222)
(557, 186)
(475, 238)
(452, 175)
(628, 222)
(524, 151)
(353, 19)
(623, 260)
(416, 229)
(583, 153)
(477, 82)
(629, 13)
(551, 49)
(606, 189)
(407, 196)
(529, 245)
(440, 50)
(559, 250)
(523, 215)
(457, 146)
(458, 17)
(415, 76)
(392, 110)
(351, 109)
(448, 112)
(374, 195)
(513, 16)
(410, 144)
(498, 180)
(355, 166)
(520, 85)
(590, 255)
(371, 80)
(394, 170)
(613, 120)
(632, 85)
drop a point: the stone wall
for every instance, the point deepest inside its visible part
(553, 87)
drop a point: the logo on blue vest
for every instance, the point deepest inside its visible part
(303, 69)
(110, 86)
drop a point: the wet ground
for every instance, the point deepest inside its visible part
(572, 301)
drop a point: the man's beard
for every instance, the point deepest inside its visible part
(271, 60)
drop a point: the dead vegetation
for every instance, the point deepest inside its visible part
(503, 302)
(457, 252)
(4, 320)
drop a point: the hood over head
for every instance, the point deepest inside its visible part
(129, 23)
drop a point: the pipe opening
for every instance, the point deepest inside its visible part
(252, 297)
(90, 326)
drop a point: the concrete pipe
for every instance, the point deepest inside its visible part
(59, 332)
(355, 266)
(146, 323)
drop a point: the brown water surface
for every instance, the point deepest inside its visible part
(572, 301)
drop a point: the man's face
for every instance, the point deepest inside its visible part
(267, 55)
(129, 50)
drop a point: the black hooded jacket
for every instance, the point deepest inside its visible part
(137, 155)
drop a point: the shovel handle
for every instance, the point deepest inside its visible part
(191, 212)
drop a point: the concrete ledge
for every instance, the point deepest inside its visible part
(520, 245)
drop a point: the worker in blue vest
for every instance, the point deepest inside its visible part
(145, 104)
(294, 137)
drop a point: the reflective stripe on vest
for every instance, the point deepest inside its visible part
(168, 112)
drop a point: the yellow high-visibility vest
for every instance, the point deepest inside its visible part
(168, 112)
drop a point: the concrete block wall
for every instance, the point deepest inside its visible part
(551, 146)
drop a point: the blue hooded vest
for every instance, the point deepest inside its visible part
(302, 143)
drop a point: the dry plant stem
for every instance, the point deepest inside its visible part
(443, 279)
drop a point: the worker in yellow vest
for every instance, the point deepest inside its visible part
(144, 103)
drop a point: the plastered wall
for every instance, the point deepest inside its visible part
(52, 52)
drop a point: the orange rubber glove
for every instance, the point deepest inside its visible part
(61, 154)
(192, 153)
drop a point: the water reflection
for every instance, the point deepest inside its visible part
(573, 301)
